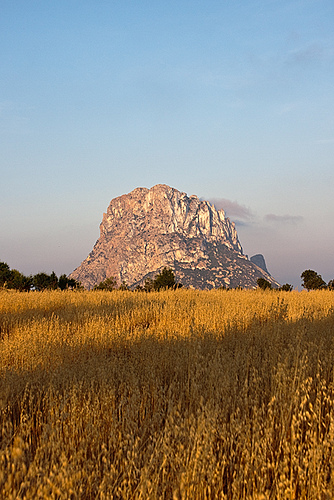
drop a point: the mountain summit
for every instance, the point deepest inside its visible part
(149, 229)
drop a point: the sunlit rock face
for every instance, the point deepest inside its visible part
(149, 229)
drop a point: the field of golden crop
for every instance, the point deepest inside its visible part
(167, 395)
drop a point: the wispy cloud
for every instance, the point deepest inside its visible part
(283, 219)
(233, 209)
(312, 52)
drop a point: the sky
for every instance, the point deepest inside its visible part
(230, 100)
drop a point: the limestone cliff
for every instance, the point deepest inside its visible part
(148, 229)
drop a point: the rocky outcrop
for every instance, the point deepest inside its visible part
(259, 261)
(149, 229)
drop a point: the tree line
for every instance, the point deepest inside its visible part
(163, 280)
(15, 280)
(311, 280)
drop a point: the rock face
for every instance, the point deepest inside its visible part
(258, 259)
(148, 229)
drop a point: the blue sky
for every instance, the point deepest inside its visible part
(229, 100)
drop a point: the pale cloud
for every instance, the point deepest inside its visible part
(283, 219)
(233, 209)
(309, 53)
(244, 216)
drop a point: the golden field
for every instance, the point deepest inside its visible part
(167, 395)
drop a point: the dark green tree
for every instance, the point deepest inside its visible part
(312, 280)
(42, 281)
(27, 283)
(165, 279)
(108, 284)
(263, 284)
(73, 284)
(12, 278)
(63, 282)
(4, 274)
(18, 281)
(53, 281)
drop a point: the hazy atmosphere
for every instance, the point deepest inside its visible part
(231, 101)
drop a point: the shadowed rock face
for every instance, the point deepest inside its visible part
(258, 259)
(148, 229)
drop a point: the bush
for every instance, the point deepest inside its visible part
(108, 284)
(286, 288)
(263, 284)
(330, 285)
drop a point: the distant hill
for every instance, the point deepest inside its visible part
(149, 229)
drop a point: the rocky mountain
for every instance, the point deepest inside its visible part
(149, 229)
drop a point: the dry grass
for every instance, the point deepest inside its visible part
(169, 395)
